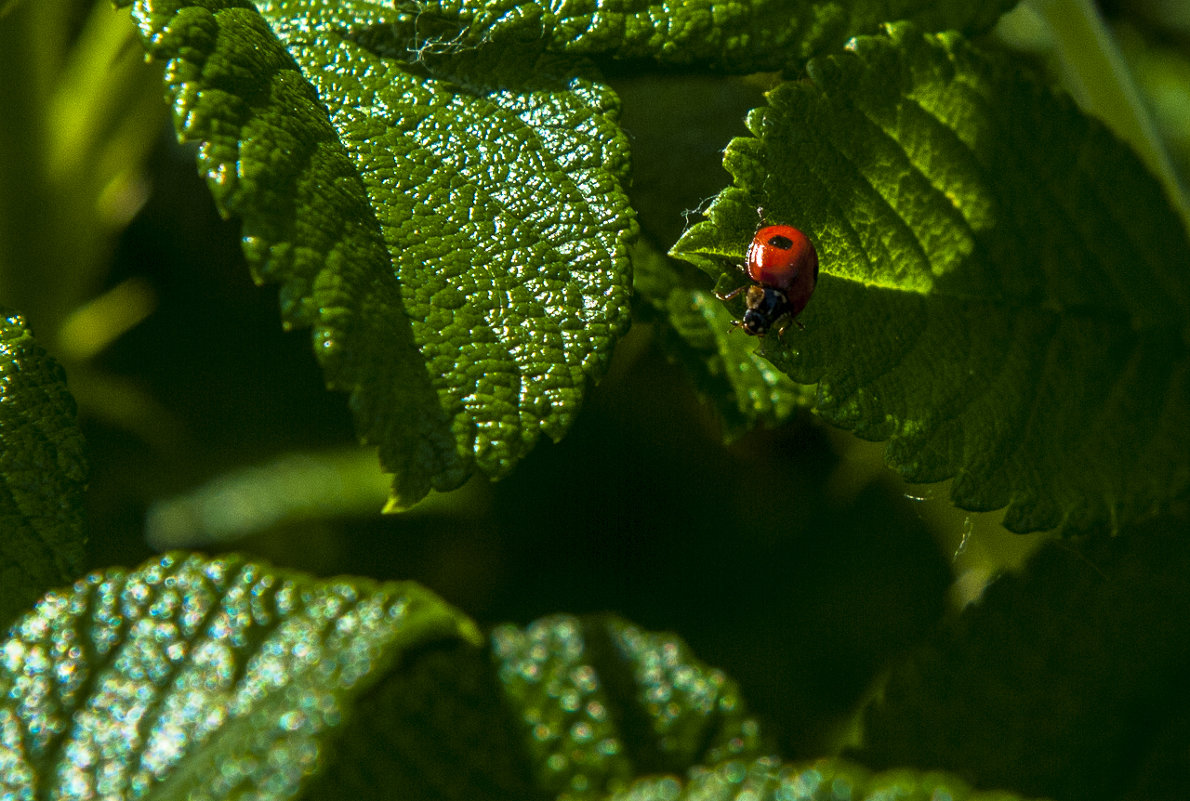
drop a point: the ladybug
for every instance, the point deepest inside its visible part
(783, 263)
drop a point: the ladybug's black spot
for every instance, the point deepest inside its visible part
(780, 242)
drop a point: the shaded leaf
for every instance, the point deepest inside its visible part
(1004, 293)
(437, 729)
(737, 35)
(289, 489)
(43, 471)
(602, 701)
(767, 779)
(564, 708)
(195, 678)
(453, 228)
(1067, 675)
(745, 387)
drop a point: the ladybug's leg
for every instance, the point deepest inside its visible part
(731, 294)
(789, 322)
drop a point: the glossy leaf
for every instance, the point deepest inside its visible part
(453, 228)
(43, 472)
(738, 35)
(194, 678)
(1004, 293)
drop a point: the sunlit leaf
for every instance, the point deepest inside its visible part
(195, 678)
(745, 387)
(1004, 293)
(453, 228)
(739, 35)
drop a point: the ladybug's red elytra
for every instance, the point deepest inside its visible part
(783, 263)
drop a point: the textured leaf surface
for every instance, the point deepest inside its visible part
(1004, 292)
(728, 372)
(565, 708)
(453, 228)
(437, 729)
(603, 701)
(193, 678)
(738, 35)
(43, 472)
(767, 779)
(1095, 638)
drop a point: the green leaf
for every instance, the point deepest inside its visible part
(1004, 294)
(436, 729)
(1094, 637)
(737, 35)
(454, 229)
(745, 387)
(195, 678)
(43, 472)
(289, 490)
(603, 701)
(768, 779)
(565, 708)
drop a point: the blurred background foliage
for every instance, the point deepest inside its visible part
(791, 558)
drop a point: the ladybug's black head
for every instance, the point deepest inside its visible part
(765, 306)
(755, 323)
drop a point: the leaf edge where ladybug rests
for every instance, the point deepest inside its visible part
(358, 167)
(947, 285)
(743, 386)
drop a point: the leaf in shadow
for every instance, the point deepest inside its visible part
(43, 472)
(566, 707)
(1060, 681)
(769, 779)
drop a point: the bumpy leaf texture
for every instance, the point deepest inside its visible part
(565, 708)
(452, 226)
(768, 779)
(603, 702)
(1004, 293)
(736, 35)
(43, 471)
(199, 679)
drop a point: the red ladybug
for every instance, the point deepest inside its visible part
(783, 263)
